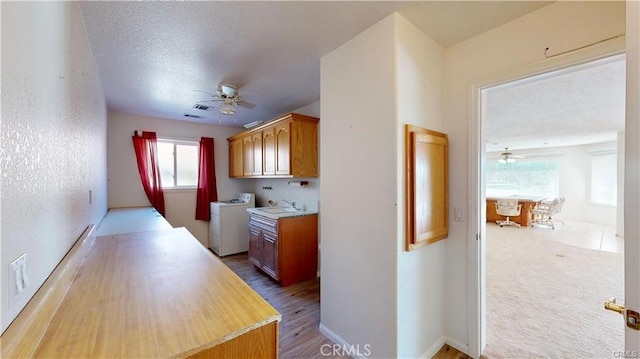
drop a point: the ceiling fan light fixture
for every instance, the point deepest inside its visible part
(227, 109)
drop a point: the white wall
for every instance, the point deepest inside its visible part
(560, 26)
(53, 141)
(125, 188)
(396, 305)
(359, 191)
(421, 276)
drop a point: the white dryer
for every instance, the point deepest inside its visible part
(229, 225)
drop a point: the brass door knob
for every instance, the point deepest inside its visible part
(613, 306)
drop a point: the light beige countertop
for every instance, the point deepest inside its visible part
(280, 212)
(153, 294)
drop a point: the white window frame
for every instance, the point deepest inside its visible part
(614, 200)
(175, 143)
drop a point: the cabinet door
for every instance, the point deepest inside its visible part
(247, 155)
(256, 143)
(283, 148)
(270, 254)
(427, 192)
(235, 158)
(269, 150)
(255, 246)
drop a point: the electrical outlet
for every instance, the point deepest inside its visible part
(18, 281)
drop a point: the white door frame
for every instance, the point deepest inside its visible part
(632, 177)
(476, 285)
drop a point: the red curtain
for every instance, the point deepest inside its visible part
(146, 148)
(207, 191)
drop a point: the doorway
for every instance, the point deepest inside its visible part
(534, 73)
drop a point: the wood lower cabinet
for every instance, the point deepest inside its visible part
(286, 249)
(284, 147)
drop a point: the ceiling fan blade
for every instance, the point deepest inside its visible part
(208, 93)
(245, 104)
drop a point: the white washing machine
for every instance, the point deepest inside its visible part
(229, 225)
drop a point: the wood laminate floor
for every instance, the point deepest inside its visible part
(448, 352)
(299, 305)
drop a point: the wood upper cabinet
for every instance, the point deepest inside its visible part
(247, 155)
(284, 147)
(256, 144)
(269, 150)
(236, 158)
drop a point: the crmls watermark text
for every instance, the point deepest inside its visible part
(344, 350)
(625, 354)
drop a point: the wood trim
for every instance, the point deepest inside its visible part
(23, 336)
(258, 343)
(285, 117)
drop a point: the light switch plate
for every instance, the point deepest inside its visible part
(18, 279)
(458, 214)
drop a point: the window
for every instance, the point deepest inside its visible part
(525, 177)
(178, 162)
(604, 178)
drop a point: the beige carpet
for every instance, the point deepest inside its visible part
(545, 298)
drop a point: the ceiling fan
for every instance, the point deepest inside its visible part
(508, 157)
(228, 95)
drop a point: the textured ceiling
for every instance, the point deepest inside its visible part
(584, 104)
(153, 55)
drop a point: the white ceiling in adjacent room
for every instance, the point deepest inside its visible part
(579, 105)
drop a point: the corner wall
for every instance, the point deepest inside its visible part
(421, 274)
(358, 197)
(53, 140)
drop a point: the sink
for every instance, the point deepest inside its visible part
(278, 210)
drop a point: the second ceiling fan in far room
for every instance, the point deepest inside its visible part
(508, 157)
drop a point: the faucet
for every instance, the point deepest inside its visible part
(290, 203)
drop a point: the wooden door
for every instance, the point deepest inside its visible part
(247, 155)
(269, 150)
(255, 246)
(256, 144)
(270, 254)
(235, 158)
(283, 148)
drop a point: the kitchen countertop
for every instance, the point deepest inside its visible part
(280, 212)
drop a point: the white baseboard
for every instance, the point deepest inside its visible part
(429, 353)
(457, 345)
(433, 349)
(336, 339)
(454, 343)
